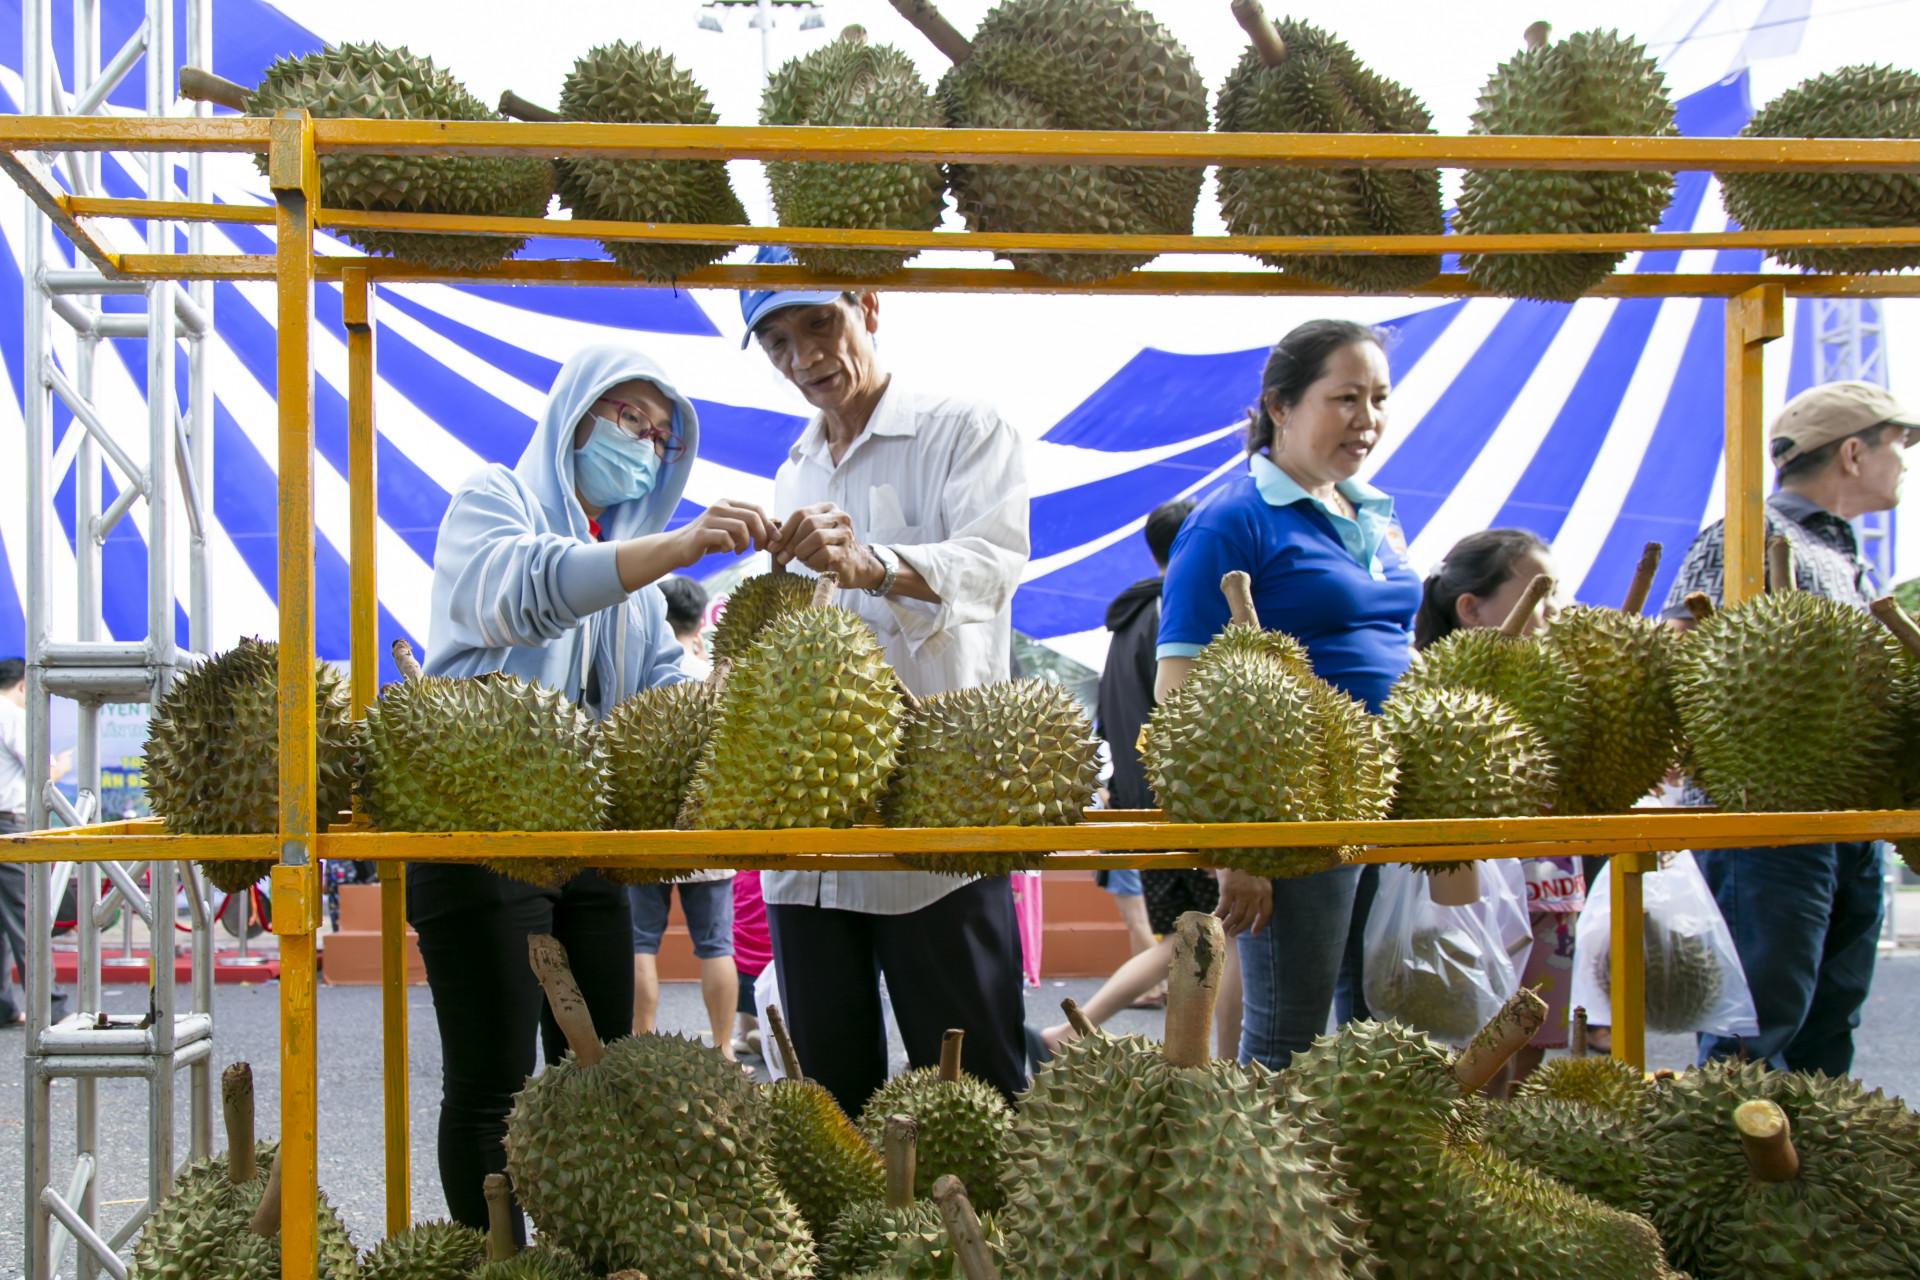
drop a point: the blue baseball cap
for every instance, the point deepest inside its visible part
(758, 303)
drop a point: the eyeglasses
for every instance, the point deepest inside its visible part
(633, 420)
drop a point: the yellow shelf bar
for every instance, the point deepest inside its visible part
(145, 133)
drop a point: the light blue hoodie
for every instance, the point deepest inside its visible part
(520, 585)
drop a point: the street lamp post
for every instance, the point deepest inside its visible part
(763, 19)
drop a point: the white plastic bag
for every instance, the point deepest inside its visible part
(1446, 970)
(1694, 979)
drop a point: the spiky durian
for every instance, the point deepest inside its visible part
(653, 741)
(822, 1161)
(213, 752)
(752, 606)
(1434, 986)
(1462, 754)
(1624, 663)
(1594, 1079)
(1598, 1152)
(961, 1123)
(1683, 977)
(436, 1250)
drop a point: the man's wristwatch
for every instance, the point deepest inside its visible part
(890, 563)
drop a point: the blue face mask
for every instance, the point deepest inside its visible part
(612, 467)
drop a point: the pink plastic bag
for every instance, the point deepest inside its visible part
(1027, 915)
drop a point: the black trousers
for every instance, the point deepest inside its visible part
(953, 963)
(13, 931)
(473, 927)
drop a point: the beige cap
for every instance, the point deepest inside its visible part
(1832, 411)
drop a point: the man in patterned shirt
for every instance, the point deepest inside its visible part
(1806, 919)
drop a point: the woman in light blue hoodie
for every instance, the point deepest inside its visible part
(544, 570)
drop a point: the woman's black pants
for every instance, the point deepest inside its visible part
(473, 926)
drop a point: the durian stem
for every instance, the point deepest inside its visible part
(1237, 587)
(934, 26)
(512, 104)
(1522, 613)
(265, 1222)
(1454, 886)
(1767, 1138)
(823, 588)
(1266, 39)
(1699, 605)
(549, 961)
(409, 665)
(717, 678)
(1537, 35)
(963, 1229)
(854, 33)
(1577, 1039)
(789, 1056)
(1193, 984)
(500, 1244)
(204, 86)
(899, 1152)
(950, 1054)
(1898, 621)
(1510, 1029)
(1076, 1018)
(1642, 585)
(1779, 565)
(236, 1103)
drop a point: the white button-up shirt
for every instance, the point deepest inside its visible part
(13, 757)
(943, 484)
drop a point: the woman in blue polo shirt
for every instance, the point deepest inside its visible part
(1329, 566)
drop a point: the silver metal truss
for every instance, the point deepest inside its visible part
(63, 1224)
(1849, 344)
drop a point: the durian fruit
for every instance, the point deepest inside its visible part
(1904, 787)
(653, 741)
(373, 82)
(1860, 101)
(865, 1236)
(1683, 977)
(622, 83)
(1070, 64)
(1755, 1172)
(437, 1250)
(1432, 988)
(1254, 736)
(1296, 78)
(649, 1153)
(1396, 1112)
(222, 1220)
(1131, 1159)
(1597, 82)
(851, 82)
(482, 753)
(1624, 663)
(960, 1120)
(1789, 667)
(505, 1259)
(1596, 1080)
(213, 752)
(752, 606)
(1518, 670)
(822, 1162)
(1017, 753)
(808, 729)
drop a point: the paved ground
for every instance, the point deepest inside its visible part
(351, 1146)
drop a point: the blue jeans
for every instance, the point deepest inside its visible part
(1806, 922)
(1349, 991)
(1287, 970)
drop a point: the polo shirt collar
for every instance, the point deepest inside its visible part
(1360, 537)
(1797, 507)
(892, 416)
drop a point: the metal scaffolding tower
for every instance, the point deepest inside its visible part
(1849, 344)
(162, 464)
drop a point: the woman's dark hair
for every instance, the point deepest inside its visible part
(1479, 563)
(1296, 362)
(686, 603)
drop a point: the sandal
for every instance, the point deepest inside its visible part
(1157, 1000)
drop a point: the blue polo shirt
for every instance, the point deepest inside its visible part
(1341, 587)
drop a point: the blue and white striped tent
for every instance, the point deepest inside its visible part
(1597, 424)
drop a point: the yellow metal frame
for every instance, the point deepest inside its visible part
(292, 144)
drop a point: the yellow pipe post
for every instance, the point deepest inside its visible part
(293, 174)
(1627, 959)
(1754, 318)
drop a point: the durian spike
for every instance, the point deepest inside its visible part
(1237, 587)
(789, 1056)
(512, 104)
(1898, 621)
(823, 588)
(1511, 1028)
(1193, 984)
(1779, 565)
(1523, 608)
(265, 1222)
(1699, 605)
(1265, 36)
(1076, 1018)
(963, 1229)
(204, 86)
(934, 26)
(950, 1054)
(1642, 584)
(236, 1103)
(1577, 1039)
(500, 1244)
(1537, 35)
(549, 960)
(900, 1150)
(1767, 1138)
(409, 665)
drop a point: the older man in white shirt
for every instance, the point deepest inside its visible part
(13, 820)
(919, 504)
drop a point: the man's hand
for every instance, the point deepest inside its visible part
(1246, 902)
(59, 764)
(725, 528)
(821, 538)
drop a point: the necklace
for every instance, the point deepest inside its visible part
(1343, 506)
